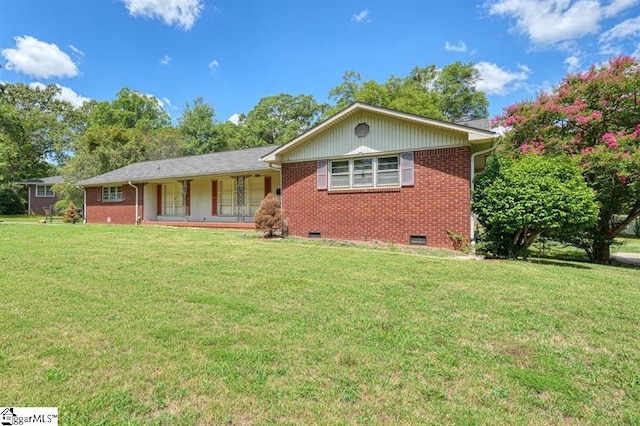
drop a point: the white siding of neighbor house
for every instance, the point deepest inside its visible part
(385, 135)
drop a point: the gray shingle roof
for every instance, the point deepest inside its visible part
(244, 160)
(51, 180)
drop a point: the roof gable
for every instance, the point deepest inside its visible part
(394, 131)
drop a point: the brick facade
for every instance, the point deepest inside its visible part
(120, 212)
(37, 205)
(438, 201)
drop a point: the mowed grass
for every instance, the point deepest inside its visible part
(145, 325)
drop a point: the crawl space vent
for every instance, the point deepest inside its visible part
(314, 235)
(362, 130)
(419, 240)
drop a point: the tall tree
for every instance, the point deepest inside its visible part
(34, 131)
(278, 119)
(460, 100)
(129, 109)
(198, 126)
(445, 94)
(594, 117)
(131, 128)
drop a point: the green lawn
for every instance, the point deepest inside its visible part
(149, 325)
(629, 245)
(21, 218)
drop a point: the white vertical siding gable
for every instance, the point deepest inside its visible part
(386, 134)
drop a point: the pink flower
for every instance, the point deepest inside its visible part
(610, 140)
(622, 179)
(588, 150)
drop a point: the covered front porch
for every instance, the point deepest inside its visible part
(207, 202)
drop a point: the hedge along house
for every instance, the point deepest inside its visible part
(370, 173)
(40, 195)
(222, 189)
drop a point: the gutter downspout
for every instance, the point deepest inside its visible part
(279, 168)
(84, 204)
(137, 222)
(472, 234)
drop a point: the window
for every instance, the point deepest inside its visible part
(254, 193)
(340, 174)
(172, 199)
(44, 191)
(228, 197)
(111, 193)
(367, 172)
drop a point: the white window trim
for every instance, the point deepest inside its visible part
(45, 191)
(118, 191)
(374, 171)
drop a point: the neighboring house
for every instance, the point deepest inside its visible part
(367, 173)
(40, 194)
(219, 189)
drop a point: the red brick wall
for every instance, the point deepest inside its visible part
(439, 201)
(120, 212)
(38, 204)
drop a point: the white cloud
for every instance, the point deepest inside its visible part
(573, 63)
(165, 60)
(460, 47)
(497, 81)
(617, 6)
(234, 118)
(66, 94)
(623, 30)
(636, 53)
(76, 50)
(213, 66)
(182, 13)
(547, 22)
(38, 59)
(361, 16)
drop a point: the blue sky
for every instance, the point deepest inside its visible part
(232, 53)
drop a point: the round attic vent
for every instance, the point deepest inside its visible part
(362, 130)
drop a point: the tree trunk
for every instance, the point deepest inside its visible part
(602, 252)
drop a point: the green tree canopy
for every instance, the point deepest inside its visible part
(518, 200)
(130, 109)
(131, 128)
(444, 94)
(593, 117)
(201, 132)
(35, 131)
(278, 119)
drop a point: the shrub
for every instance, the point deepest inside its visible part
(517, 200)
(268, 218)
(10, 201)
(71, 214)
(60, 207)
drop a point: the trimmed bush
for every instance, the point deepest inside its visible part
(268, 218)
(71, 214)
